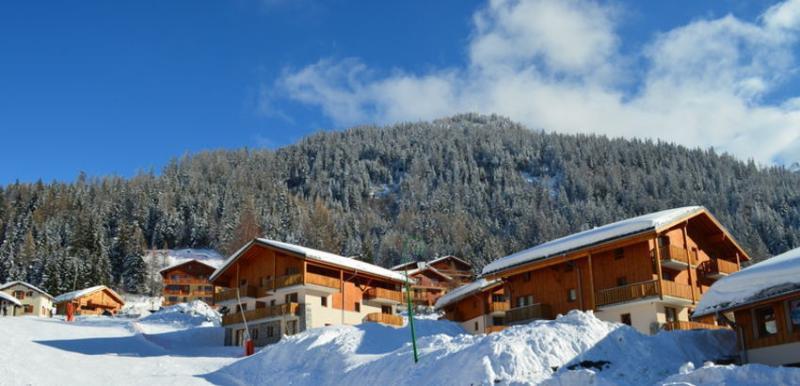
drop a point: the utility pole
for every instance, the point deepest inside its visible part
(411, 319)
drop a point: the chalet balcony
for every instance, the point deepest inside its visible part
(528, 313)
(383, 296)
(262, 313)
(388, 319)
(717, 268)
(682, 325)
(645, 289)
(316, 281)
(498, 307)
(674, 257)
(229, 295)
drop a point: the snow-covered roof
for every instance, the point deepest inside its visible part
(22, 283)
(314, 254)
(576, 241)
(764, 280)
(403, 265)
(464, 291)
(438, 259)
(83, 292)
(187, 262)
(9, 298)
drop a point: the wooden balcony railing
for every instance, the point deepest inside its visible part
(683, 291)
(526, 313)
(626, 293)
(379, 317)
(383, 293)
(672, 252)
(187, 280)
(322, 280)
(245, 291)
(262, 313)
(499, 307)
(715, 268)
(681, 325)
(297, 279)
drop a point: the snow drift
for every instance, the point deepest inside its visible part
(575, 347)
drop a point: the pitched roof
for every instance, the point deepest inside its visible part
(438, 259)
(403, 265)
(22, 283)
(770, 278)
(423, 267)
(313, 254)
(84, 292)
(9, 298)
(465, 291)
(176, 265)
(605, 233)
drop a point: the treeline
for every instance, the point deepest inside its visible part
(475, 186)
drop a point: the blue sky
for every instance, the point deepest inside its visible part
(112, 87)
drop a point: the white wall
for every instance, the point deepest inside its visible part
(469, 325)
(644, 315)
(775, 355)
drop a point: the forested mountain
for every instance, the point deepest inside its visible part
(474, 186)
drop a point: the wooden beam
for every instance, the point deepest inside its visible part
(580, 285)
(657, 258)
(689, 260)
(591, 284)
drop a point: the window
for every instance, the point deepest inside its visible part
(621, 281)
(209, 288)
(765, 322)
(28, 309)
(323, 301)
(619, 253)
(272, 302)
(523, 301)
(19, 295)
(572, 295)
(30, 294)
(526, 276)
(625, 318)
(254, 334)
(476, 326)
(793, 307)
(498, 298)
(357, 306)
(291, 298)
(270, 331)
(173, 299)
(386, 310)
(291, 327)
(663, 241)
(498, 321)
(671, 313)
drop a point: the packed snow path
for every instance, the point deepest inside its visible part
(106, 351)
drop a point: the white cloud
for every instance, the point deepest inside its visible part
(556, 64)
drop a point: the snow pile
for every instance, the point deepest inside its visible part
(600, 234)
(768, 278)
(747, 375)
(185, 315)
(581, 347)
(139, 305)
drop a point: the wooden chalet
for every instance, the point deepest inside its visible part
(480, 307)
(274, 289)
(98, 300)
(187, 281)
(432, 279)
(762, 304)
(648, 272)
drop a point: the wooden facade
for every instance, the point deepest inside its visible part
(278, 291)
(431, 280)
(187, 282)
(650, 279)
(99, 301)
(481, 311)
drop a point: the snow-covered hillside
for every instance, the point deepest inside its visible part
(181, 346)
(163, 258)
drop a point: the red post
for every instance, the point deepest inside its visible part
(70, 312)
(249, 349)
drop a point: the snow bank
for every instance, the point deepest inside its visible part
(185, 315)
(600, 234)
(372, 354)
(747, 375)
(139, 305)
(768, 278)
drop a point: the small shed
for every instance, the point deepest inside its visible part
(98, 300)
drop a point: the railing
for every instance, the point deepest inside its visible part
(322, 280)
(681, 325)
(379, 317)
(670, 288)
(261, 313)
(187, 280)
(383, 293)
(627, 292)
(672, 252)
(499, 306)
(717, 267)
(230, 294)
(525, 313)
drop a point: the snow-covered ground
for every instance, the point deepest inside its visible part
(181, 346)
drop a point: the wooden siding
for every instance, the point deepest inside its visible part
(93, 304)
(186, 283)
(480, 303)
(378, 317)
(744, 319)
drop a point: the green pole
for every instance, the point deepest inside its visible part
(411, 320)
